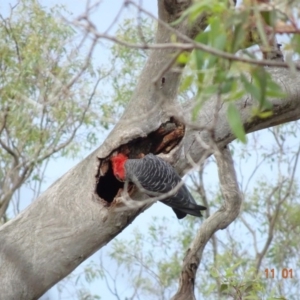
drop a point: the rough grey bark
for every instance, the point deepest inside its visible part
(284, 110)
(68, 222)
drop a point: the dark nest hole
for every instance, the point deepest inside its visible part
(108, 185)
(162, 140)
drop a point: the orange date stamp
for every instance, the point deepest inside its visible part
(285, 273)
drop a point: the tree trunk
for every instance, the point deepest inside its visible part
(69, 222)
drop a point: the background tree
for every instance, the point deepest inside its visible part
(47, 97)
(215, 75)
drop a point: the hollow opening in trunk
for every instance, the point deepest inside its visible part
(108, 185)
(162, 140)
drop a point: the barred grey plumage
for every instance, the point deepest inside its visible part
(156, 175)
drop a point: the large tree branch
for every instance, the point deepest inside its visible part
(284, 110)
(69, 222)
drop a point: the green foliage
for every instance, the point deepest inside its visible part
(146, 255)
(43, 105)
(126, 64)
(48, 97)
(213, 76)
(235, 123)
